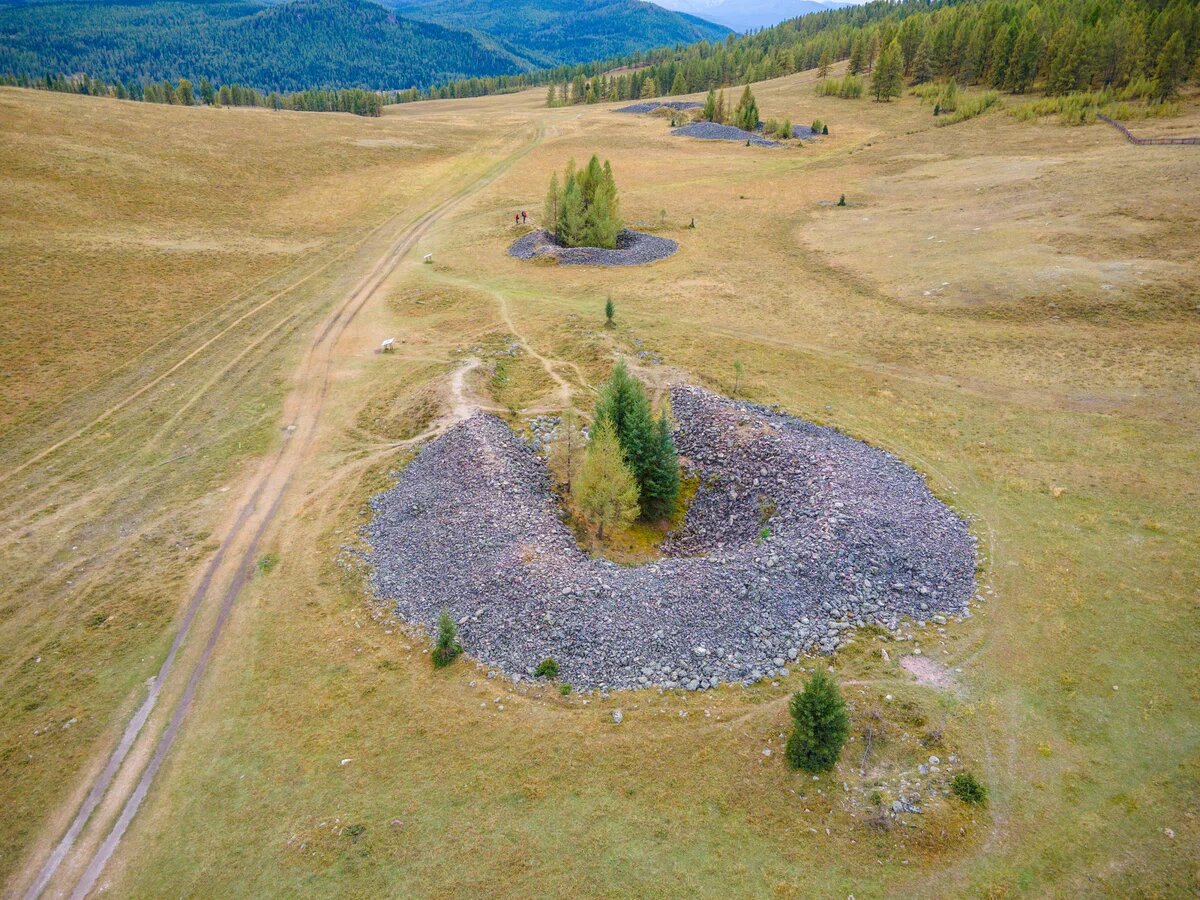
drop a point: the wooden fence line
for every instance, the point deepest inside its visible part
(1146, 140)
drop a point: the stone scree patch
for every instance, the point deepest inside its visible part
(855, 538)
(634, 248)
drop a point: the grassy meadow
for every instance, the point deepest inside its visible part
(1011, 307)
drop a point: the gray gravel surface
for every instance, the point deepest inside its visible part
(634, 248)
(804, 132)
(652, 105)
(711, 131)
(856, 538)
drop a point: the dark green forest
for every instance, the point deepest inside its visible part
(1053, 46)
(292, 47)
(1058, 46)
(564, 32)
(327, 43)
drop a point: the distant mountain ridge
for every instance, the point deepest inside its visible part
(564, 32)
(327, 43)
(745, 15)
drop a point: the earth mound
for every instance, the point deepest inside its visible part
(634, 248)
(711, 131)
(855, 538)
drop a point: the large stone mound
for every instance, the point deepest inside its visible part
(634, 248)
(855, 538)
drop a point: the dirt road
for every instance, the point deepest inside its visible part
(118, 783)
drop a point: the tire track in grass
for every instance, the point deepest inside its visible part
(235, 556)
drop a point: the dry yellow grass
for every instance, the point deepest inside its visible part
(1066, 431)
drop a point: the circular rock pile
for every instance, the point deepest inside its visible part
(711, 131)
(634, 248)
(651, 105)
(796, 536)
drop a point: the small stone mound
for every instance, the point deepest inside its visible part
(711, 131)
(804, 132)
(651, 105)
(634, 248)
(855, 538)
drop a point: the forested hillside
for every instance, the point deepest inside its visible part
(291, 47)
(556, 32)
(327, 43)
(1015, 45)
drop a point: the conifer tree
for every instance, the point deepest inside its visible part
(609, 312)
(722, 110)
(648, 447)
(566, 453)
(679, 85)
(1171, 69)
(571, 215)
(606, 491)
(447, 647)
(824, 63)
(661, 488)
(585, 210)
(858, 55)
(885, 82)
(709, 113)
(820, 723)
(745, 116)
(649, 89)
(550, 207)
(922, 70)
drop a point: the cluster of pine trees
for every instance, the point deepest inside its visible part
(583, 210)
(183, 93)
(1059, 46)
(744, 116)
(631, 465)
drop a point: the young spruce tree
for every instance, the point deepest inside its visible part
(820, 723)
(661, 490)
(447, 647)
(745, 116)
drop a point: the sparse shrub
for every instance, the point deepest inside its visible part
(564, 689)
(825, 130)
(547, 668)
(447, 648)
(767, 507)
(355, 831)
(876, 798)
(267, 562)
(820, 725)
(971, 107)
(500, 375)
(817, 126)
(609, 312)
(848, 88)
(764, 533)
(968, 789)
(842, 200)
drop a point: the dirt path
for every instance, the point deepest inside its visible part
(234, 560)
